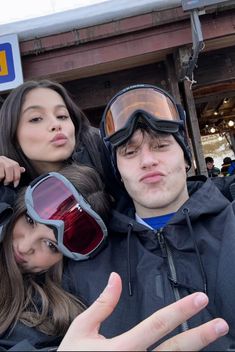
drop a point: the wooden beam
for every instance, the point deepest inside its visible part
(107, 54)
(194, 129)
(172, 78)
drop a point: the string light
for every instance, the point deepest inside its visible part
(212, 130)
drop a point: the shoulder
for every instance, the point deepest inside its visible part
(7, 199)
(226, 185)
(93, 133)
(7, 194)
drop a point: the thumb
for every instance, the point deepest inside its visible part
(90, 320)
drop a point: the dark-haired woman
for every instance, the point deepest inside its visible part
(42, 129)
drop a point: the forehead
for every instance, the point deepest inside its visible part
(41, 97)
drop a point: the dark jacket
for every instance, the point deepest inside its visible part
(194, 252)
(91, 153)
(24, 338)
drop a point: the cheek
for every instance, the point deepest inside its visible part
(27, 139)
(20, 136)
(123, 166)
(177, 165)
(54, 259)
(46, 260)
(17, 230)
(71, 128)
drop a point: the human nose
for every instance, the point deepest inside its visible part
(25, 246)
(148, 158)
(55, 124)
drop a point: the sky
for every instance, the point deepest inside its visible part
(18, 10)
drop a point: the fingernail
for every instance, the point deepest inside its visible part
(111, 280)
(16, 183)
(221, 328)
(200, 300)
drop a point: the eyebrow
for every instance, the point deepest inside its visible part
(34, 107)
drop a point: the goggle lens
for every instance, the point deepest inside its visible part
(54, 201)
(152, 101)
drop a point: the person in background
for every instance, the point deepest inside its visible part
(212, 170)
(231, 169)
(225, 166)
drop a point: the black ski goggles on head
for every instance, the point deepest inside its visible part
(146, 102)
(53, 201)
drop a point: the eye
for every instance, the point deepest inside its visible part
(29, 220)
(35, 119)
(130, 151)
(52, 246)
(63, 116)
(161, 145)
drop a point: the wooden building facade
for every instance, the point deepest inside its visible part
(97, 61)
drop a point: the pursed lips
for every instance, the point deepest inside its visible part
(59, 137)
(151, 177)
(19, 259)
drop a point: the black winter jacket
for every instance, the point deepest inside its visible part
(194, 252)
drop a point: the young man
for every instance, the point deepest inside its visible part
(212, 170)
(163, 241)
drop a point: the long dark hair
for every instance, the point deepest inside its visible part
(38, 300)
(9, 120)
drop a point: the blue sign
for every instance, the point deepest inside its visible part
(7, 70)
(10, 63)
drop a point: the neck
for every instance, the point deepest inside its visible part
(43, 167)
(147, 211)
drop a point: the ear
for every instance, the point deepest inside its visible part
(187, 167)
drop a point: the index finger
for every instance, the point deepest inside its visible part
(197, 338)
(164, 321)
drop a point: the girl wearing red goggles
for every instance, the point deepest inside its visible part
(41, 230)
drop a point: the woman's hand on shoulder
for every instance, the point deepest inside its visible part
(83, 334)
(10, 171)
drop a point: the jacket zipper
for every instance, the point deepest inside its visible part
(166, 253)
